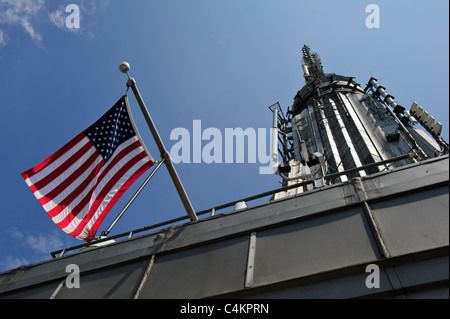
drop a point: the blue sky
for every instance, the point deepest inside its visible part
(221, 62)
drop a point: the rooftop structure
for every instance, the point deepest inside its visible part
(363, 213)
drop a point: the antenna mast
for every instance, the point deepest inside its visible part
(311, 64)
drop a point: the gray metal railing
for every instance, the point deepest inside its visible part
(212, 211)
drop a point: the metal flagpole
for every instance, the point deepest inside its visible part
(125, 67)
(108, 230)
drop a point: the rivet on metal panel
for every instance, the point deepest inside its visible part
(251, 261)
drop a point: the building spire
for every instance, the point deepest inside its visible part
(311, 64)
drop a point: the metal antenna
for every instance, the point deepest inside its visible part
(312, 65)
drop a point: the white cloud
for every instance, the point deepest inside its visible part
(21, 13)
(58, 18)
(44, 243)
(88, 10)
(26, 13)
(3, 38)
(30, 30)
(8, 262)
(39, 243)
(34, 247)
(91, 7)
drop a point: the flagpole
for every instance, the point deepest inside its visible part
(125, 67)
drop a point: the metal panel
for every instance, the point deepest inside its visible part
(314, 245)
(198, 272)
(423, 271)
(431, 293)
(311, 238)
(41, 292)
(118, 282)
(423, 217)
(326, 287)
(418, 275)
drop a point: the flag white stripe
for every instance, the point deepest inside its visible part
(70, 184)
(82, 214)
(110, 196)
(64, 213)
(73, 186)
(69, 189)
(51, 167)
(111, 193)
(64, 175)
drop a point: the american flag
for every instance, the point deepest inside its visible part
(80, 183)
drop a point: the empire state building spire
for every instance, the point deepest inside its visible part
(340, 131)
(311, 64)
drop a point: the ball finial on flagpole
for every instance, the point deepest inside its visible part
(124, 67)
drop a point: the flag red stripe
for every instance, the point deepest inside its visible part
(105, 191)
(76, 192)
(27, 174)
(100, 197)
(127, 150)
(69, 180)
(75, 210)
(113, 201)
(62, 168)
(76, 187)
